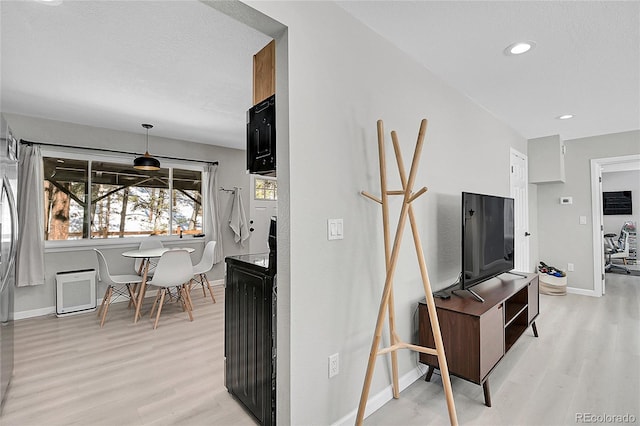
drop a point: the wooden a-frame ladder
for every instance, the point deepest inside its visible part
(391, 258)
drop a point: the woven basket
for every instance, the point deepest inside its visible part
(554, 286)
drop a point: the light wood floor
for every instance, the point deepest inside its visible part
(68, 371)
(586, 360)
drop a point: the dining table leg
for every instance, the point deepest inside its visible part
(141, 290)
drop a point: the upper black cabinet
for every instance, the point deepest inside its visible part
(261, 137)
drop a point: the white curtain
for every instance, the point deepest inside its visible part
(31, 217)
(212, 219)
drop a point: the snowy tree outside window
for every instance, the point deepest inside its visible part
(97, 199)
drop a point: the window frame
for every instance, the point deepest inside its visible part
(90, 155)
(265, 178)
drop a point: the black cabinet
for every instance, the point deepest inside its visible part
(261, 137)
(250, 320)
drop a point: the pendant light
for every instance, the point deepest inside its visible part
(146, 162)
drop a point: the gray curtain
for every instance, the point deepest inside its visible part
(212, 213)
(31, 217)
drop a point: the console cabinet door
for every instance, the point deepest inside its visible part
(491, 339)
(460, 337)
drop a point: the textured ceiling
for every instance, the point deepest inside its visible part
(186, 68)
(180, 65)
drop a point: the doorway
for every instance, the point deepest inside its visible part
(260, 22)
(598, 167)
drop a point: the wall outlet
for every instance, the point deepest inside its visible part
(334, 365)
(570, 267)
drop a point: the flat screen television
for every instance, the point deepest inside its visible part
(487, 238)
(616, 202)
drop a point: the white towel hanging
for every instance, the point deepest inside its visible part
(238, 219)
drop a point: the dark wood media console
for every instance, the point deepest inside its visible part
(477, 335)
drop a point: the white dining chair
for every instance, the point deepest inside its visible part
(138, 265)
(202, 267)
(147, 243)
(174, 270)
(120, 285)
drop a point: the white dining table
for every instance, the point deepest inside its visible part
(146, 255)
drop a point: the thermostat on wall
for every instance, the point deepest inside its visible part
(566, 200)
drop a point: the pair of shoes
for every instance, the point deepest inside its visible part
(552, 273)
(551, 270)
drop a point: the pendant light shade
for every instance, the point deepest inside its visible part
(146, 162)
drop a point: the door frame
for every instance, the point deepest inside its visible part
(598, 165)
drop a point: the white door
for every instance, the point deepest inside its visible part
(519, 182)
(263, 205)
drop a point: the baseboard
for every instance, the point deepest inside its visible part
(34, 313)
(385, 395)
(582, 292)
(52, 309)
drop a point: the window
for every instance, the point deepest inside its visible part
(65, 198)
(111, 199)
(186, 198)
(266, 189)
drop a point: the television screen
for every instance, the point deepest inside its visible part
(487, 237)
(616, 202)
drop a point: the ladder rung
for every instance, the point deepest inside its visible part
(409, 346)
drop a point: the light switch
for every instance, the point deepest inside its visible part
(335, 229)
(583, 220)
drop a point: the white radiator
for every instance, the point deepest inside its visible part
(75, 291)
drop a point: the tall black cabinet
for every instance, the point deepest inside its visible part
(250, 337)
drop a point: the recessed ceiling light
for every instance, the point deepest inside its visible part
(50, 2)
(565, 117)
(519, 48)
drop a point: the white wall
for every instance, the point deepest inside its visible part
(342, 78)
(562, 239)
(231, 169)
(622, 181)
